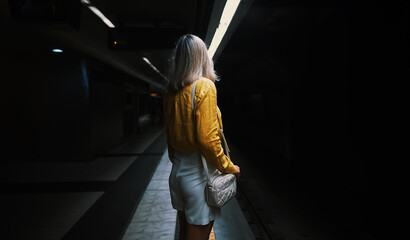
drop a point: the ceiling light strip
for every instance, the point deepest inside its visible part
(153, 67)
(97, 12)
(227, 15)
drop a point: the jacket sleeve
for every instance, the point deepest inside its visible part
(207, 128)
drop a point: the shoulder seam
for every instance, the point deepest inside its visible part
(208, 84)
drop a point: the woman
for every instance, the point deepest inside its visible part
(192, 131)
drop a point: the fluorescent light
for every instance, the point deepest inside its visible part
(153, 67)
(97, 12)
(101, 15)
(149, 63)
(57, 50)
(227, 15)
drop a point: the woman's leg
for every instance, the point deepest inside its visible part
(182, 225)
(198, 232)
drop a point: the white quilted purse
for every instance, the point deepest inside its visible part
(220, 188)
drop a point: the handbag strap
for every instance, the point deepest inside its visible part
(193, 113)
(222, 133)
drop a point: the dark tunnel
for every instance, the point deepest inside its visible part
(304, 93)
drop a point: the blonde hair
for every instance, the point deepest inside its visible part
(189, 62)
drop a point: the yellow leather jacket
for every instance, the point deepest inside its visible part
(189, 133)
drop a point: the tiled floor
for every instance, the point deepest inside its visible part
(43, 201)
(49, 199)
(102, 169)
(46, 216)
(154, 218)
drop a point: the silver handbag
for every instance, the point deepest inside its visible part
(220, 188)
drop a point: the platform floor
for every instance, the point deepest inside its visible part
(124, 194)
(156, 219)
(121, 195)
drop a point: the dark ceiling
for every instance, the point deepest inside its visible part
(150, 29)
(260, 29)
(143, 29)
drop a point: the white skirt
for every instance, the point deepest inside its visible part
(187, 188)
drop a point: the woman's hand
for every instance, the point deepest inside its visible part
(238, 171)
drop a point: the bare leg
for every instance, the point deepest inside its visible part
(199, 232)
(182, 225)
